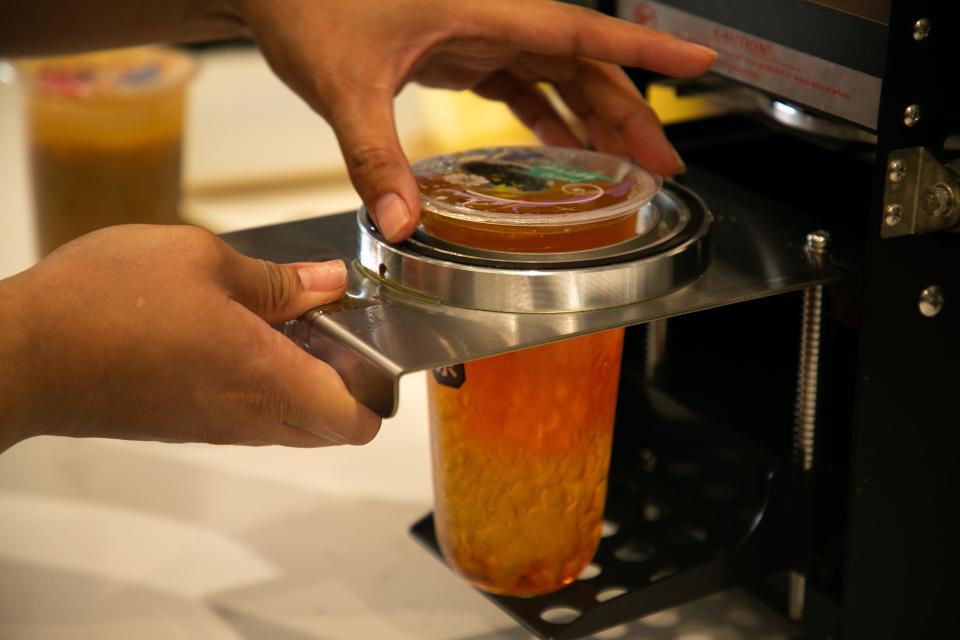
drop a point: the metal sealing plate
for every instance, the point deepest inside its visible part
(669, 256)
(377, 333)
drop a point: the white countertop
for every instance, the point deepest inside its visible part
(103, 539)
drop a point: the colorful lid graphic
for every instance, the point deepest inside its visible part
(533, 185)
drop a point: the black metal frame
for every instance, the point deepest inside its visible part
(873, 528)
(902, 558)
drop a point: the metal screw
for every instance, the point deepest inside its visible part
(817, 241)
(897, 171)
(894, 214)
(921, 29)
(938, 200)
(804, 425)
(911, 115)
(931, 301)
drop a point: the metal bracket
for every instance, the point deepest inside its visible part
(377, 333)
(920, 194)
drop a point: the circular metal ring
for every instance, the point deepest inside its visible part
(669, 256)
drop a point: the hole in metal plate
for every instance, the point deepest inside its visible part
(633, 552)
(560, 615)
(610, 593)
(590, 571)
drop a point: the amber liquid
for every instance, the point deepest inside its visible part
(97, 163)
(521, 452)
(80, 190)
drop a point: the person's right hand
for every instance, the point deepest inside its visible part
(349, 58)
(163, 333)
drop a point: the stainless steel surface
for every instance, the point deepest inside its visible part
(378, 333)
(911, 115)
(921, 29)
(648, 266)
(656, 347)
(796, 118)
(924, 190)
(804, 430)
(931, 301)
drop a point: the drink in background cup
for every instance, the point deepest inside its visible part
(521, 441)
(105, 139)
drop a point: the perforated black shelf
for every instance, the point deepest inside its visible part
(708, 513)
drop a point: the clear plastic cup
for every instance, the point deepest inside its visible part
(521, 441)
(105, 133)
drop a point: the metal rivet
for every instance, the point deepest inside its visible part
(893, 215)
(931, 301)
(911, 115)
(897, 171)
(938, 200)
(817, 241)
(921, 29)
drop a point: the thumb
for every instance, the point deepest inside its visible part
(378, 168)
(281, 292)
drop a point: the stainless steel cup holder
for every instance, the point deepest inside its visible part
(669, 251)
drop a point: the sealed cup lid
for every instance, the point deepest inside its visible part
(539, 186)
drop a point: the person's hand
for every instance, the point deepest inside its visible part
(162, 333)
(348, 58)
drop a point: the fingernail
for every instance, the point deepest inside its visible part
(323, 276)
(682, 166)
(391, 216)
(707, 50)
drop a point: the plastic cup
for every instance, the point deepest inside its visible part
(521, 441)
(105, 132)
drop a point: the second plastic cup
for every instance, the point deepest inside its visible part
(521, 441)
(105, 134)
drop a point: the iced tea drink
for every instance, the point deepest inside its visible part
(105, 138)
(521, 441)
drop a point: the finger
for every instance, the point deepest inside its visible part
(605, 139)
(530, 107)
(314, 397)
(596, 95)
(280, 292)
(558, 29)
(535, 67)
(378, 168)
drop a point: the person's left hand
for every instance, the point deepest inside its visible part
(348, 58)
(161, 333)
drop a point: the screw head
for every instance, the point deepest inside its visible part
(921, 29)
(818, 241)
(893, 214)
(911, 115)
(938, 200)
(896, 171)
(931, 301)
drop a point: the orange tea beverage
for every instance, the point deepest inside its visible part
(521, 441)
(105, 132)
